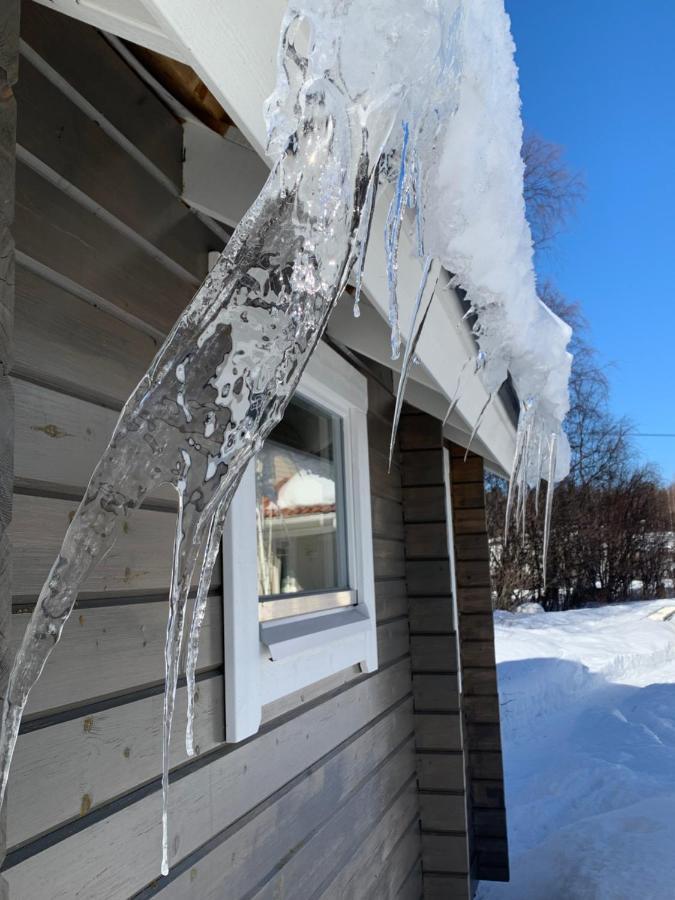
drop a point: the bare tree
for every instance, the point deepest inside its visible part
(552, 191)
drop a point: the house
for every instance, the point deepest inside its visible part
(347, 720)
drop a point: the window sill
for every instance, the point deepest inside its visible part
(289, 637)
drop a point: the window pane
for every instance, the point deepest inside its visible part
(300, 506)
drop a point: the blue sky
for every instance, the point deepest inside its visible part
(598, 77)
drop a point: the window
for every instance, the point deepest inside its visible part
(297, 549)
(301, 514)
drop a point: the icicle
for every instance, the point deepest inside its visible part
(416, 325)
(550, 488)
(210, 557)
(392, 233)
(454, 400)
(477, 425)
(363, 238)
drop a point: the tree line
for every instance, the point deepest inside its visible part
(612, 528)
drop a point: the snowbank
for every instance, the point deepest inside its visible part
(588, 719)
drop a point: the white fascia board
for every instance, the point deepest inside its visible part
(128, 19)
(233, 47)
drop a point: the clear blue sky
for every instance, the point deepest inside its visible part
(598, 77)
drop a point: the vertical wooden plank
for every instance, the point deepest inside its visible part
(9, 49)
(480, 702)
(438, 725)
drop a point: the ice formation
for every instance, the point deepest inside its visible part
(421, 95)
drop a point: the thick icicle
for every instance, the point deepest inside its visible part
(223, 378)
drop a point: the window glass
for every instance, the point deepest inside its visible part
(300, 512)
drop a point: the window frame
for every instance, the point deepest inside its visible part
(267, 660)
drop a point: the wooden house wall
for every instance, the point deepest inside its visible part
(323, 801)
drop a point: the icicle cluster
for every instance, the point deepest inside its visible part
(425, 91)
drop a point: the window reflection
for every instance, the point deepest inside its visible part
(300, 514)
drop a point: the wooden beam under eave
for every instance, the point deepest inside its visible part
(183, 83)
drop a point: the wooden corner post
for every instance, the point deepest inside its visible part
(9, 54)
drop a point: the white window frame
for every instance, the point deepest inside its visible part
(265, 661)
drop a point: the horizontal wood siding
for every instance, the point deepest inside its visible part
(438, 723)
(323, 801)
(480, 702)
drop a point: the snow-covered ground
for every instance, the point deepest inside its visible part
(588, 725)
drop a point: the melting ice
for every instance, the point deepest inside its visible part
(420, 99)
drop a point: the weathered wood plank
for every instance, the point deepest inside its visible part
(443, 812)
(85, 156)
(393, 640)
(426, 541)
(488, 794)
(7, 427)
(428, 578)
(472, 574)
(61, 340)
(479, 682)
(440, 771)
(435, 693)
(381, 403)
(391, 598)
(204, 802)
(485, 764)
(469, 471)
(468, 496)
(61, 234)
(388, 558)
(473, 599)
(387, 518)
(477, 627)
(469, 521)
(434, 653)
(481, 709)
(140, 560)
(384, 483)
(445, 853)
(431, 615)
(89, 64)
(333, 845)
(251, 853)
(420, 433)
(107, 650)
(436, 731)
(472, 547)
(478, 653)
(65, 770)
(442, 887)
(60, 439)
(412, 888)
(483, 736)
(422, 467)
(392, 870)
(424, 504)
